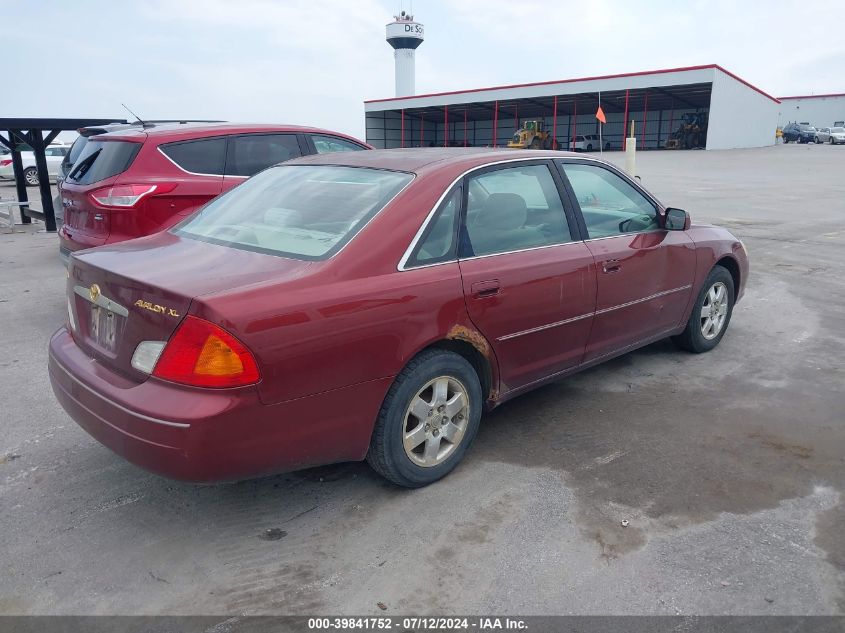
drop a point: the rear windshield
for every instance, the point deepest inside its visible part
(102, 159)
(300, 211)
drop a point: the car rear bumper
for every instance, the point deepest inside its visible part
(210, 435)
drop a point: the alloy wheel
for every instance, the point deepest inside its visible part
(714, 310)
(31, 177)
(435, 421)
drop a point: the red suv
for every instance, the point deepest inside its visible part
(136, 182)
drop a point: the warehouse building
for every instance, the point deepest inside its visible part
(817, 110)
(732, 112)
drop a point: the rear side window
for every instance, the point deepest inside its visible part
(76, 149)
(513, 209)
(103, 159)
(437, 243)
(250, 154)
(203, 156)
(326, 144)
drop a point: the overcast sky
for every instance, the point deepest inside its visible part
(315, 61)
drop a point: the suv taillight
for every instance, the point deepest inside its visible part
(125, 196)
(202, 354)
(4, 163)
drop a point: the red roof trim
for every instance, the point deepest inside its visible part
(567, 81)
(833, 94)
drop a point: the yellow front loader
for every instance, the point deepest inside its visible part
(531, 135)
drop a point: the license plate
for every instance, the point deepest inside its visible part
(103, 328)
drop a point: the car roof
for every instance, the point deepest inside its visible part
(184, 131)
(416, 160)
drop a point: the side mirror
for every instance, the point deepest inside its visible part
(676, 220)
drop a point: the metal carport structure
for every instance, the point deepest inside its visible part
(654, 100)
(31, 132)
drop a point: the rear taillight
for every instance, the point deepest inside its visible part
(4, 163)
(125, 196)
(203, 354)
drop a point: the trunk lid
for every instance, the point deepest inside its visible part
(140, 290)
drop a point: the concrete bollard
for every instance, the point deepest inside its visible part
(631, 156)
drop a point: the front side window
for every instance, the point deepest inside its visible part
(202, 156)
(512, 209)
(610, 205)
(299, 211)
(249, 154)
(326, 144)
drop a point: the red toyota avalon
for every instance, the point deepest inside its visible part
(370, 305)
(142, 180)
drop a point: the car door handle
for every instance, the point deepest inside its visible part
(611, 266)
(485, 288)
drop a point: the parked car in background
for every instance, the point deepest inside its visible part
(587, 143)
(54, 154)
(836, 136)
(822, 135)
(139, 181)
(372, 305)
(799, 133)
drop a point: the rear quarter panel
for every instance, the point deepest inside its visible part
(158, 212)
(322, 335)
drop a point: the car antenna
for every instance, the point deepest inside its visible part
(136, 116)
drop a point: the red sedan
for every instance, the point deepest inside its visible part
(372, 305)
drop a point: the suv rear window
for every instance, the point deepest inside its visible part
(305, 212)
(203, 156)
(103, 159)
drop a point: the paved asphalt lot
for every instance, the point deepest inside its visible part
(728, 466)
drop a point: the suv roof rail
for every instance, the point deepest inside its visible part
(184, 121)
(154, 122)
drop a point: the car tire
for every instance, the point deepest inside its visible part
(832, 141)
(437, 394)
(711, 313)
(607, 146)
(30, 176)
(816, 140)
(590, 147)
